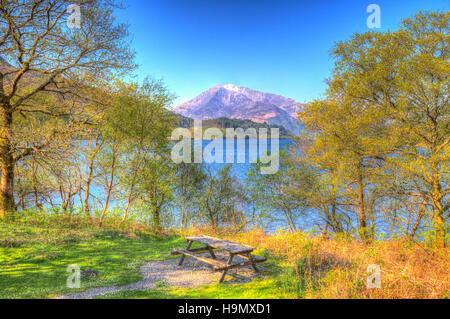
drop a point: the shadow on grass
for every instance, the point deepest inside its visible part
(37, 269)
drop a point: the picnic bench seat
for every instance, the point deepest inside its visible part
(217, 264)
(212, 243)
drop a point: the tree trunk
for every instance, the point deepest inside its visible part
(90, 176)
(21, 191)
(212, 220)
(361, 209)
(290, 221)
(36, 199)
(327, 221)
(62, 194)
(7, 204)
(157, 219)
(133, 181)
(130, 194)
(336, 224)
(183, 216)
(35, 189)
(416, 225)
(22, 202)
(439, 229)
(438, 209)
(110, 186)
(86, 198)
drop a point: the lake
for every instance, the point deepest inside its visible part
(241, 169)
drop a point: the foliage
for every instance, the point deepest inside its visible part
(285, 190)
(49, 76)
(189, 181)
(223, 200)
(383, 128)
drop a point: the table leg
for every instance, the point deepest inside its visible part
(253, 262)
(230, 259)
(183, 256)
(211, 252)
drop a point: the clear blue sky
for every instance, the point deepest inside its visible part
(274, 46)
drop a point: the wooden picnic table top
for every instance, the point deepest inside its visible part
(232, 247)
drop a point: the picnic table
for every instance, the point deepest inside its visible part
(211, 244)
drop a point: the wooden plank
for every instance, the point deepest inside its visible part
(238, 265)
(243, 264)
(232, 247)
(256, 259)
(176, 252)
(216, 263)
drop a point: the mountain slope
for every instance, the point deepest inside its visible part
(242, 103)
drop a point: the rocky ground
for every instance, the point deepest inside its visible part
(167, 273)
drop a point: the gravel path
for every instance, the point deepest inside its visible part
(193, 273)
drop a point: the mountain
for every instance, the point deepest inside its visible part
(5, 66)
(9, 72)
(242, 103)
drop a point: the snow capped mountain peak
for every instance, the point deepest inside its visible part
(231, 87)
(233, 101)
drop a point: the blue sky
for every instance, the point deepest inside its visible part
(274, 46)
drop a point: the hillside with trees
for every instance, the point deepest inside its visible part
(224, 123)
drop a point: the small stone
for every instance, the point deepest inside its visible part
(54, 256)
(89, 273)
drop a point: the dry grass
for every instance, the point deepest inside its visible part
(337, 268)
(312, 267)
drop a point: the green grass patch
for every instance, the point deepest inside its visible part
(34, 259)
(35, 255)
(257, 289)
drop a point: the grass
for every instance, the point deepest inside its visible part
(35, 253)
(34, 258)
(315, 267)
(257, 289)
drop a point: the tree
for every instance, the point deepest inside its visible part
(42, 60)
(405, 74)
(220, 197)
(110, 159)
(283, 191)
(189, 180)
(155, 185)
(351, 141)
(91, 152)
(319, 186)
(140, 117)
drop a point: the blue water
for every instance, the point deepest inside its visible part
(240, 170)
(275, 219)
